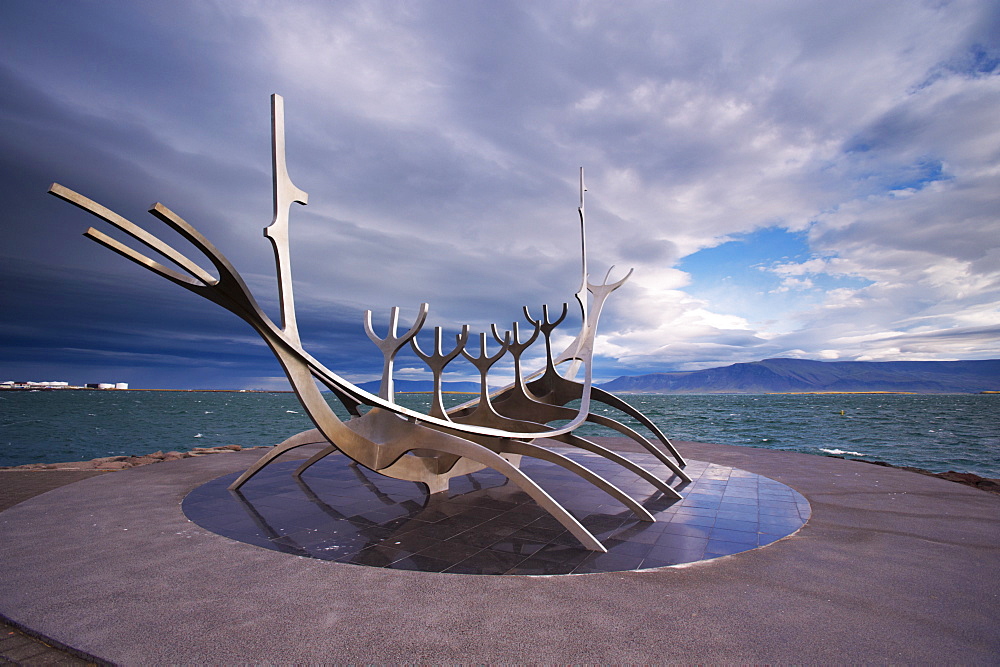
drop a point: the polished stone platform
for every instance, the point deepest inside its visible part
(340, 511)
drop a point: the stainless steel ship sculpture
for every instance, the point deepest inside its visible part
(493, 431)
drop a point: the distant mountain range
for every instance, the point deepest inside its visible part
(788, 375)
(791, 375)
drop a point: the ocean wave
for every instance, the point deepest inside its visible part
(965, 436)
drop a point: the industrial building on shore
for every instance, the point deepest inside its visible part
(11, 385)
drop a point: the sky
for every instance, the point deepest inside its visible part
(814, 180)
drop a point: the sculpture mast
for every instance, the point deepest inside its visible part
(285, 193)
(581, 294)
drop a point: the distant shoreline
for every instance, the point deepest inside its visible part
(794, 393)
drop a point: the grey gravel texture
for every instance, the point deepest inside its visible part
(892, 567)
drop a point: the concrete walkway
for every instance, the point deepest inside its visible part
(892, 567)
(18, 647)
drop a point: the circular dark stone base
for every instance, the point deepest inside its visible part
(483, 524)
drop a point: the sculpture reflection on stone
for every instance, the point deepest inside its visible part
(493, 431)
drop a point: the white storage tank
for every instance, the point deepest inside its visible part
(121, 385)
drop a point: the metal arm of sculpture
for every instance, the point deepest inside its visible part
(520, 398)
(557, 390)
(392, 344)
(484, 413)
(437, 361)
(601, 293)
(553, 390)
(517, 348)
(518, 402)
(522, 405)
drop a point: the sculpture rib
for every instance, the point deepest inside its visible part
(534, 451)
(517, 403)
(559, 391)
(318, 438)
(310, 437)
(628, 464)
(613, 401)
(136, 257)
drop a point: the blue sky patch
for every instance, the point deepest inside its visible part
(736, 276)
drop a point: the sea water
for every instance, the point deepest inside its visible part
(935, 432)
